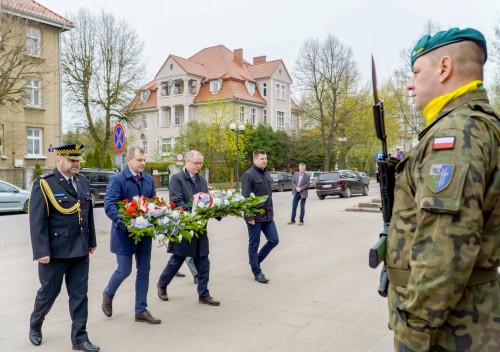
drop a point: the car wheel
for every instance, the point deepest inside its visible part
(347, 193)
(94, 198)
(321, 197)
(26, 207)
(281, 188)
(365, 190)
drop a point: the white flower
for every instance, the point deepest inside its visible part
(217, 201)
(163, 221)
(252, 195)
(175, 214)
(140, 222)
(200, 205)
(151, 206)
(225, 202)
(180, 237)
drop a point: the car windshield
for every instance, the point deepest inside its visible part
(329, 177)
(274, 175)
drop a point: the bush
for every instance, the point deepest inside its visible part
(38, 170)
(161, 167)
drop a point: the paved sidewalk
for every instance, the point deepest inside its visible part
(321, 295)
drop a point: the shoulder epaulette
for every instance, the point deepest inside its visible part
(47, 175)
(80, 175)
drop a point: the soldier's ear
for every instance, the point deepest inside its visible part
(445, 68)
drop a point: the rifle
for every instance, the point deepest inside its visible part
(387, 180)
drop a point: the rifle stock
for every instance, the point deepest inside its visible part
(387, 180)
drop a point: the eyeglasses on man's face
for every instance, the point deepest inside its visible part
(197, 163)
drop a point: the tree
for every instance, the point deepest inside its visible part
(494, 56)
(327, 75)
(102, 64)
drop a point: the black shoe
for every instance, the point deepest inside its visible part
(179, 274)
(107, 305)
(261, 278)
(86, 346)
(162, 292)
(35, 337)
(195, 279)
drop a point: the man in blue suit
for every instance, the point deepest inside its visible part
(130, 182)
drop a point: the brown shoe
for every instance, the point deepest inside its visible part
(146, 317)
(107, 305)
(209, 300)
(162, 292)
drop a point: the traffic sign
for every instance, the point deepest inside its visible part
(119, 138)
(378, 156)
(400, 154)
(179, 157)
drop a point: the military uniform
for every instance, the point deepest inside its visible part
(62, 228)
(443, 247)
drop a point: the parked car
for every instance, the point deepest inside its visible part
(341, 183)
(13, 198)
(98, 182)
(281, 181)
(313, 178)
(364, 177)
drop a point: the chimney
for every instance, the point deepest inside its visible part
(259, 59)
(238, 56)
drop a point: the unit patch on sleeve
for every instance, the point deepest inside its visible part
(441, 143)
(440, 176)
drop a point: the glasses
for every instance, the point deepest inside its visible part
(197, 163)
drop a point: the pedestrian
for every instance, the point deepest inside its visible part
(130, 182)
(257, 180)
(443, 245)
(62, 236)
(300, 192)
(183, 186)
(192, 268)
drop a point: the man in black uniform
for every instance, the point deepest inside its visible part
(62, 236)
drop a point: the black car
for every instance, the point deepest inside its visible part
(98, 182)
(341, 183)
(364, 177)
(281, 181)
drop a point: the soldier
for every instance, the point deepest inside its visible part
(62, 236)
(443, 246)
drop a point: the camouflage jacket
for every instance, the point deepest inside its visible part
(445, 224)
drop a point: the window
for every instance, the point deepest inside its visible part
(280, 91)
(145, 146)
(166, 147)
(144, 96)
(242, 114)
(144, 122)
(264, 117)
(177, 120)
(215, 85)
(250, 88)
(264, 89)
(253, 116)
(33, 93)
(177, 88)
(281, 118)
(34, 141)
(158, 122)
(33, 39)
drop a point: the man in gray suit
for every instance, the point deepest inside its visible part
(300, 193)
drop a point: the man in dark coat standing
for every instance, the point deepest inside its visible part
(183, 186)
(62, 236)
(130, 182)
(257, 180)
(300, 192)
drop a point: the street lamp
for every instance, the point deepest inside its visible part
(341, 140)
(237, 129)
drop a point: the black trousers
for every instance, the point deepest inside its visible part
(75, 272)
(202, 265)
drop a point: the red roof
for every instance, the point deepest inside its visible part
(230, 89)
(33, 8)
(137, 103)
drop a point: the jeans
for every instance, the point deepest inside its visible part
(296, 199)
(271, 233)
(143, 264)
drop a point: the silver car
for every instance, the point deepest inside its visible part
(313, 178)
(13, 198)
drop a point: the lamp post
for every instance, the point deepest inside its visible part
(237, 129)
(341, 140)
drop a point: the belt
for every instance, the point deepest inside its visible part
(400, 277)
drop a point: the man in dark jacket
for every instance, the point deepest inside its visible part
(62, 236)
(130, 182)
(257, 180)
(183, 186)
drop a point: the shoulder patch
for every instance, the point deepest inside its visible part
(440, 176)
(442, 143)
(47, 175)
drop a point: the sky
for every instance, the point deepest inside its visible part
(279, 28)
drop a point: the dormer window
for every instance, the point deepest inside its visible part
(250, 87)
(144, 96)
(215, 85)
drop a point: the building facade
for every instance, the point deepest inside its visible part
(259, 92)
(31, 126)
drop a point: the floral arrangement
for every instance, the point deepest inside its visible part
(223, 203)
(154, 217)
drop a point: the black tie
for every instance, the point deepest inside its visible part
(71, 183)
(137, 177)
(193, 178)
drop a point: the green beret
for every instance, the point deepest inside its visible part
(453, 35)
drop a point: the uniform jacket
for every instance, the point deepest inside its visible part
(304, 185)
(56, 234)
(123, 186)
(181, 191)
(445, 224)
(258, 181)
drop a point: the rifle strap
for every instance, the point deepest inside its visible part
(400, 277)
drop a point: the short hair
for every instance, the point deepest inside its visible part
(191, 154)
(467, 55)
(131, 152)
(302, 164)
(258, 152)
